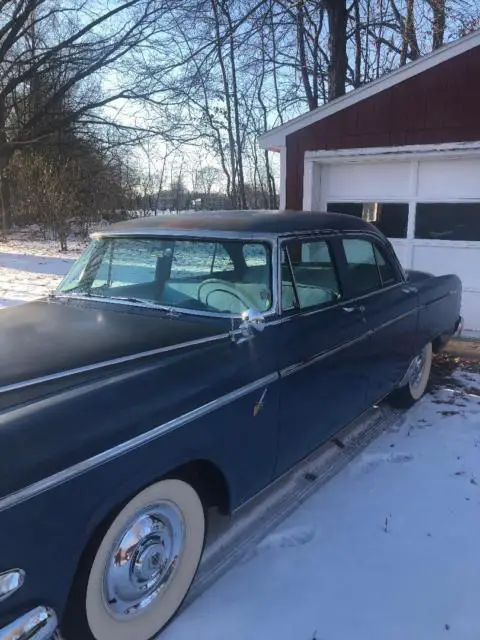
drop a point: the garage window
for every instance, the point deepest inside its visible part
(448, 221)
(390, 217)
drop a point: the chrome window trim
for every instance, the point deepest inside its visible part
(80, 468)
(329, 236)
(296, 307)
(109, 363)
(309, 233)
(188, 234)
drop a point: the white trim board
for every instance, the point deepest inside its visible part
(445, 151)
(277, 137)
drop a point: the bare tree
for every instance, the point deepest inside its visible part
(438, 22)
(337, 45)
(51, 59)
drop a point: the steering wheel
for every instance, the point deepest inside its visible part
(214, 285)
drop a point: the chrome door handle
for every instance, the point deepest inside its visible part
(409, 289)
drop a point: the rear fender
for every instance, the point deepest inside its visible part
(440, 301)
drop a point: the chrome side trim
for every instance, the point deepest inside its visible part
(394, 320)
(110, 363)
(294, 368)
(129, 445)
(38, 624)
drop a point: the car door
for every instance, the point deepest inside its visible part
(322, 349)
(374, 281)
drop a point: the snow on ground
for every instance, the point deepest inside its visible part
(388, 549)
(30, 268)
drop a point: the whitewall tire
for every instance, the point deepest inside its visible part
(144, 565)
(417, 379)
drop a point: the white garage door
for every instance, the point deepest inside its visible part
(430, 209)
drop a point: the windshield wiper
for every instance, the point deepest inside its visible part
(142, 301)
(94, 296)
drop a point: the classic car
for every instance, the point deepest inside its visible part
(183, 364)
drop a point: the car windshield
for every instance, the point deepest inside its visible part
(215, 276)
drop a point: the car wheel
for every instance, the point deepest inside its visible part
(417, 379)
(143, 567)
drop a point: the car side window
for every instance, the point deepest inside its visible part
(309, 278)
(363, 274)
(388, 272)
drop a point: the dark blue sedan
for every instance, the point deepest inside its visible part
(186, 362)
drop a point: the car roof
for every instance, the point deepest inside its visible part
(239, 222)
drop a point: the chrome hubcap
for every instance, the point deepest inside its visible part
(416, 369)
(143, 559)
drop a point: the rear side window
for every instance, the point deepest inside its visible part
(369, 268)
(309, 278)
(388, 272)
(363, 275)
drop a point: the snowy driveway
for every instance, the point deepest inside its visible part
(389, 549)
(30, 269)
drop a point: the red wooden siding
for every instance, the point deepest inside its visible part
(439, 105)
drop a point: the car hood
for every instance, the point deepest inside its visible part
(51, 336)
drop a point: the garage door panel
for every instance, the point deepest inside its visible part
(471, 310)
(454, 179)
(369, 181)
(463, 261)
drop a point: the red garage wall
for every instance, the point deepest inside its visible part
(439, 105)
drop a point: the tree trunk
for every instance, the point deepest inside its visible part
(438, 23)
(301, 35)
(410, 32)
(274, 67)
(5, 155)
(228, 106)
(236, 114)
(357, 78)
(337, 45)
(410, 49)
(3, 209)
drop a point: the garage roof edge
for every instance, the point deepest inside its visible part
(276, 138)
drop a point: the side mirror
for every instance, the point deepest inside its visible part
(252, 321)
